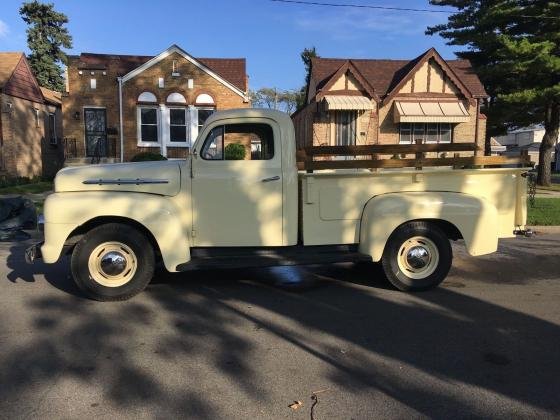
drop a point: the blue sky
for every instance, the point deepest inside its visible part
(270, 35)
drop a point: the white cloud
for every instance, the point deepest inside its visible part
(352, 24)
(4, 29)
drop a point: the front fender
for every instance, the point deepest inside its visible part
(475, 218)
(167, 222)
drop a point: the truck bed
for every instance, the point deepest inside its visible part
(332, 201)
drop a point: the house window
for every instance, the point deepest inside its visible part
(52, 128)
(203, 114)
(427, 132)
(93, 83)
(418, 132)
(178, 125)
(251, 141)
(445, 133)
(432, 133)
(345, 123)
(405, 133)
(148, 125)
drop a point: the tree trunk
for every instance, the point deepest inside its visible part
(552, 127)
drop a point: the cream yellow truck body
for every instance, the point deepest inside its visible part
(187, 204)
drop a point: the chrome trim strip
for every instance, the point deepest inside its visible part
(125, 181)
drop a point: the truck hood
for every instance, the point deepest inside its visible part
(162, 177)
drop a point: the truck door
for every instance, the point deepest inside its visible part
(237, 184)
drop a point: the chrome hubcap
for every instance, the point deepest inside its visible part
(418, 257)
(113, 263)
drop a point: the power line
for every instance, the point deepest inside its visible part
(362, 6)
(403, 9)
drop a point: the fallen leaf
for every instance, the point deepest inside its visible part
(295, 405)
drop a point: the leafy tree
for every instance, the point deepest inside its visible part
(514, 46)
(46, 37)
(272, 98)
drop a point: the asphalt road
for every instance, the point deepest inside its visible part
(232, 345)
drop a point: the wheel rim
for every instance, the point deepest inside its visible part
(418, 257)
(112, 264)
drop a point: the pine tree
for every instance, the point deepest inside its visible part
(514, 46)
(46, 37)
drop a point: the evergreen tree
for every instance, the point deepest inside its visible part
(514, 46)
(46, 37)
(306, 55)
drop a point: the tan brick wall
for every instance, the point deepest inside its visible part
(26, 150)
(106, 95)
(317, 128)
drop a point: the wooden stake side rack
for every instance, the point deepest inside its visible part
(368, 157)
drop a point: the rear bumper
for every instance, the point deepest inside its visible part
(33, 252)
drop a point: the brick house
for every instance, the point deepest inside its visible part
(119, 105)
(30, 121)
(358, 102)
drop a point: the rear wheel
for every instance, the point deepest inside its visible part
(417, 256)
(113, 262)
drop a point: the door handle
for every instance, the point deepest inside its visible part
(272, 178)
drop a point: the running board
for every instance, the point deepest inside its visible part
(226, 258)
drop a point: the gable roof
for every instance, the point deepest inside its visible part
(8, 63)
(229, 70)
(18, 80)
(385, 75)
(350, 67)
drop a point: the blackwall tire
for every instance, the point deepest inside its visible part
(113, 262)
(417, 257)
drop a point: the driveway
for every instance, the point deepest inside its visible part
(232, 345)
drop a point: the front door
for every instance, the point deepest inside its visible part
(95, 120)
(237, 185)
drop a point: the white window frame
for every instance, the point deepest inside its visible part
(203, 108)
(426, 129)
(52, 139)
(141, 143)
(188, 141)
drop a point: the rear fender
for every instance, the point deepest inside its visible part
(475, 218)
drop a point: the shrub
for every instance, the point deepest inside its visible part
(234, 151)
(147, 156)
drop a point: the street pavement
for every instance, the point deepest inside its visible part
(234, 345)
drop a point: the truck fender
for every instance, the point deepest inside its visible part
(159, 215)
(474, 217)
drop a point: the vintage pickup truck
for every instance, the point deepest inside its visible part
(239, 200)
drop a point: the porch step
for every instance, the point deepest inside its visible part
(87, 161)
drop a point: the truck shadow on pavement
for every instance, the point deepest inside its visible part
(197, 344)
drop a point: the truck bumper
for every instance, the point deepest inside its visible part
(33, 252)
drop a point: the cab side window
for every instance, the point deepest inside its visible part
(250, 141)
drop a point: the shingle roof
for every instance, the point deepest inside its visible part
(8, 63)
(51, 96)
(384, 75)
(231, 69)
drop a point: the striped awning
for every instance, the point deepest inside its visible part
(341, 102)
(430, 112)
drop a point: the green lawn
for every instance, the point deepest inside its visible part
(545, 213)
(32, 188)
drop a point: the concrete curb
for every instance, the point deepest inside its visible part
(544, 229)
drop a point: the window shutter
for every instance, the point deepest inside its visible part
(193, 118)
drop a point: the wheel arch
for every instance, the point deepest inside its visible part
(459, 216)
(81, 230)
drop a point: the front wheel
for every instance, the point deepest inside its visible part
(113, 262)
(417, 256)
